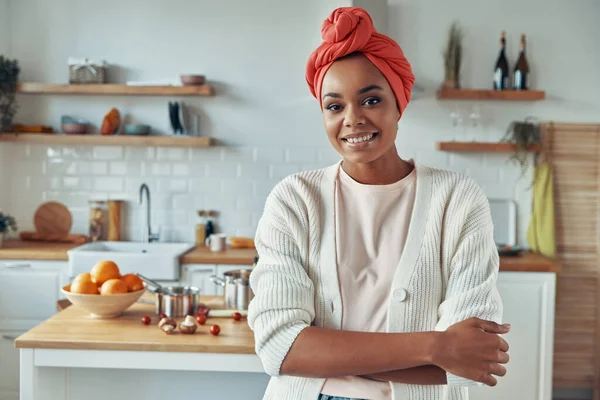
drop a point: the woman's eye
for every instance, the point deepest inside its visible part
(334, 107)
(371, 101)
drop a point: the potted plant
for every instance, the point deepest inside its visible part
(9, 77)
(7, 223)
(523, 134)
(453, 57)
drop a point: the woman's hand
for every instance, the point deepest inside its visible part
(473, 350)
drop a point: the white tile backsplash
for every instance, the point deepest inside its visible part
(235, 182)
(108, 153)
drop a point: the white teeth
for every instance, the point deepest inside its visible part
(360, 139)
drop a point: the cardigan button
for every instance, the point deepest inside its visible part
(400, 294)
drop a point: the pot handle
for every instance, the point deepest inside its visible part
(216, 280)
(145, 301)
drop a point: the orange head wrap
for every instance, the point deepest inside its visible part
(348, 30)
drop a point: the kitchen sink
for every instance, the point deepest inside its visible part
(154, 260)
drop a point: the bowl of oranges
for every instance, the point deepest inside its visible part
(103, 291)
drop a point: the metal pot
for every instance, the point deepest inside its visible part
(237, 291)
(179, 302)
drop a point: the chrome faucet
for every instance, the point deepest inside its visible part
(147, 235)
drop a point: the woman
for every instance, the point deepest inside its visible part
(377, 275)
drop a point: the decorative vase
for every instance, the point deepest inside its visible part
(1, 239)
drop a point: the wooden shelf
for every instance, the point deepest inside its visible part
(114, 89)
(483, 94)
(109, 140)
(481, 147)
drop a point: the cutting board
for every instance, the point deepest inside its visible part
(52, 218)
(504, 217)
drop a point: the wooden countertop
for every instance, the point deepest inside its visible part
(23, 250)
(529, 262)
(72, 328)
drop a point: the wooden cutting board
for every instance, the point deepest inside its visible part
(52, 219)
(36, 237)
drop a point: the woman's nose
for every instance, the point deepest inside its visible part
(353, 117)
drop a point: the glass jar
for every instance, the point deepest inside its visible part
(97, 220)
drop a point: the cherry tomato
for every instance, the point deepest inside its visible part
(201, 319)
(163, 315)
(237, 316)
(215, 329)
(202, 309)
(145, 320)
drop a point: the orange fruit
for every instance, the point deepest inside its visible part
(84, 276)
(113, 286)
(103, 271)
(133, 282)
(84, 287)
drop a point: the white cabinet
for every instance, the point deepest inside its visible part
(528, 299)
(199, 275)
(9, 365)
(29, 291)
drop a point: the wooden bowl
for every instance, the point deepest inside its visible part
(103, 306)
(193, 80)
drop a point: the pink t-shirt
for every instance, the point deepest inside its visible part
(371, 225)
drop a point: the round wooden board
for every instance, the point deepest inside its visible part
(52, 218)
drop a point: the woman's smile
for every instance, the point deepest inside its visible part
(360, 141)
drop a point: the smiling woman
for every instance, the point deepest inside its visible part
(377, 275)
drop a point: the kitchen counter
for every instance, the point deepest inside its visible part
(25, 250)
(73, 329)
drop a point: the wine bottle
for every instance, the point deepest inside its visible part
(521, 75)
(501, 71)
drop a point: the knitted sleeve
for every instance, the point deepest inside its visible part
(471, 289)
(284, 294)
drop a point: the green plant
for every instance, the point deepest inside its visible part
(7, 223)
(9, 77)
(523, 134)
(453, 56)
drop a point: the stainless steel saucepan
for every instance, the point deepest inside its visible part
(174, 301)
(236, 284)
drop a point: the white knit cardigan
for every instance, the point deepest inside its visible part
(447, 272)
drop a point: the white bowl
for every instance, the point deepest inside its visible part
(103, 306)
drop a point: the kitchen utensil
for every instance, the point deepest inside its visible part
(237, 291)
(177, 118)
(19, 128)
(159, 287)
(74, 128)
(108, 306)
(192, 80)
(182, 301)
(216, 241)
(504, 217)
(114, 220)
(37, 237)
(136, 129)
(52, 218)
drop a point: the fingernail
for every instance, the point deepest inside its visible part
(506, 326)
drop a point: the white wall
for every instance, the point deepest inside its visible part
(254, 53)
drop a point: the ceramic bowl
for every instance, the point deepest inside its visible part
(193, 79)
(103, 306)
(136, 129)
(75, 128)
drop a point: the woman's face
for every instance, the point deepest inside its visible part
(359, 110)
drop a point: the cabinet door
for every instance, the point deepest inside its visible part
(222, 268)
(9, 365)
(528, 299)
(199, 275)
(29, 292)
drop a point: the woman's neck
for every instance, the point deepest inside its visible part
(387, 169)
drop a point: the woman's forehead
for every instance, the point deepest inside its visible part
(351, 74)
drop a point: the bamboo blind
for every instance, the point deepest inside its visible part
(574, 151)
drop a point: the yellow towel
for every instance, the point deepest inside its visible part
(541, 232)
